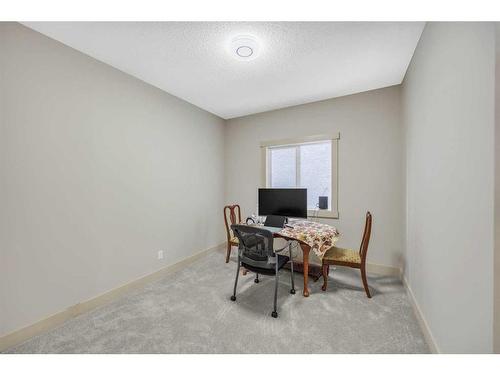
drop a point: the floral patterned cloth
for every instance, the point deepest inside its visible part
(320, 237)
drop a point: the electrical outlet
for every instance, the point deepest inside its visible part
(160, 254)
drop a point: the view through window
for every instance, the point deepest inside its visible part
(305, 165)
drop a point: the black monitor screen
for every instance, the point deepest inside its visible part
(283, 202)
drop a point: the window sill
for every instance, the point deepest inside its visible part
(322, 214)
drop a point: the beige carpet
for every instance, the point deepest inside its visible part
(190, 312)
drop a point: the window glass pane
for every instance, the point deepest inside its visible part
(316, 171)
(283, 167)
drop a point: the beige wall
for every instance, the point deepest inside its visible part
(448, 109)
(370, 162)
(98, 172)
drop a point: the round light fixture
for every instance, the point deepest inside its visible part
(244, 51)
(244, 47)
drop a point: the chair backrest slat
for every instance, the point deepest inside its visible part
(231, 212)
(363, 249)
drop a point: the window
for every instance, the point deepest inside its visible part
(307, 165)
(310, 163)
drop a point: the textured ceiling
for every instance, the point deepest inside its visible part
(299, 62)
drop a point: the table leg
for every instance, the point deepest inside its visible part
(305, 260)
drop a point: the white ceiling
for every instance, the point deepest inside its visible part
(298, 62)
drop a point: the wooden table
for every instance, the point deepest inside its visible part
(310, 235)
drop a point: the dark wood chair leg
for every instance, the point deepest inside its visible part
(228, 253)
(365, 282)
(325, 277)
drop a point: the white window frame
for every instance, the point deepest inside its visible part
(333, 211)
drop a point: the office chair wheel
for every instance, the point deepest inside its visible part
(256, 281)
(292, 291)
(274, 314)
(233, 298)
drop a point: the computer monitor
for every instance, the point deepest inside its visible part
(283, 202)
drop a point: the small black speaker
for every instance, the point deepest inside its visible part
(323, 203)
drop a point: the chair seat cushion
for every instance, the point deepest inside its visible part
(338, 254)
(268, 269)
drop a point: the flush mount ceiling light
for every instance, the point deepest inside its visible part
(244, 47)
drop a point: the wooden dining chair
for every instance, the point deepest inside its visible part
(350, 258)
(231, 214)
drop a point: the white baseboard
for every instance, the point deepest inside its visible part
(429, 338)
(383, 270)
(44, 325)
(59, 318)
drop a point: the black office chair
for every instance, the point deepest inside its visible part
(256, 254)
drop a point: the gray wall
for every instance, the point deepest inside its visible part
(371, 175)
(448, 109)
(98, 171)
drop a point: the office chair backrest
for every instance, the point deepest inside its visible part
(363, 249)
(255, 244)
(233, 215)
(275, 221)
